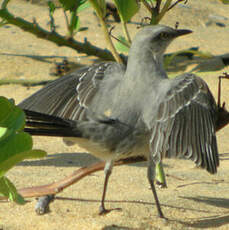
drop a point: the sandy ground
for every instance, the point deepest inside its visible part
(193, 200)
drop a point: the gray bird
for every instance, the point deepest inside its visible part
(116, 111)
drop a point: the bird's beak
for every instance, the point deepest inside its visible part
(182, 32)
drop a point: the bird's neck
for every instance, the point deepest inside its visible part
(145, 64)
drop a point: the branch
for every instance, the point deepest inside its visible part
(147, 5)
(158, 5)
(59, 40)
(109, 41)
(100, 9)
(175, 3)
(77, 175)
(126, 32)
(164, 10)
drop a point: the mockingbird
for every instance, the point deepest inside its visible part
(116, 111)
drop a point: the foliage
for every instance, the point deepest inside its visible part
(225, 1)
(15, 146)
(126, 9)
(73, 7)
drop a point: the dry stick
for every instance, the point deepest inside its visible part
(77, 175)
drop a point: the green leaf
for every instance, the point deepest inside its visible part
(7, 189)
(83, 6)
(68, 4)
(127, 9)
(74, 23)
(11, 116)
(4, 4)
(52, 7)
(15, 145)
(16, 148)
(71, 5)
(122, 45)
(3, 22)
(225, 1)
(4, 133)
(99, 7)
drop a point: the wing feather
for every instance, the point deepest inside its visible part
(184, 124)
(68, 96)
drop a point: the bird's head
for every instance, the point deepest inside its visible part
(157, 38)
(147, 49)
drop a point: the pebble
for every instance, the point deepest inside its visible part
(217, 20)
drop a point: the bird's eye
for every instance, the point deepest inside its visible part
(164, 36)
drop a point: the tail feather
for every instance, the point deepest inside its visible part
(47, 125)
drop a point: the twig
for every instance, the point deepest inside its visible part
(35, 29)
(164, 10)
(147, 5)
(157, 7)
(126, 32)
(122, 42)
(109, 41)
(4, 4)
(175, 3)
(66, 19)
(77, 175)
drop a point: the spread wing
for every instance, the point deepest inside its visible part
(68, 96)
(185, 124)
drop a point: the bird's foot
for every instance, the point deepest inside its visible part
(161, 215)
(104, 211)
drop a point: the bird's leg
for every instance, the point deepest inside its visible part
(107, 171)
(151, 177)
(160, 176)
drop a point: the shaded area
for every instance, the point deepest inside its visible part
(63, 160)
(214, 201)
(198, 64)
(211, 222)
(140, 202)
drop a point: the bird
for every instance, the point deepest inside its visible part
(117, 111)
